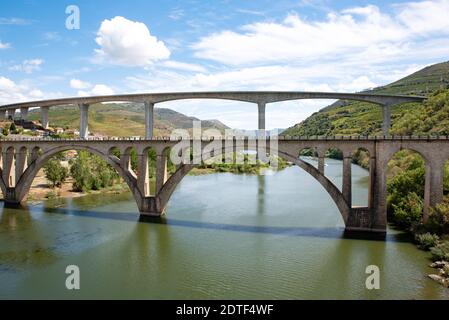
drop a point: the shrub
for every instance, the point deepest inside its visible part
(439, 218)
(440, 251)
(51, 195)
(427, 240)
(407, 211)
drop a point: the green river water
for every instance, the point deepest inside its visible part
(225, 236)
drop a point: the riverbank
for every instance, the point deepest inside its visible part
(42, 190)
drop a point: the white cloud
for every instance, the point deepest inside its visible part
(78, 84)
(14, 21)
(4, 45)
(97, 90)
(364, 31)
(28, 66)
(171, 64)
(129, 43)
(12, 92)
(176, 14)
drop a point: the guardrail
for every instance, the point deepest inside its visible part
(206, 138)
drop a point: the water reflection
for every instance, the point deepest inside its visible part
(265, 249)
(261, 194)
(18, 250)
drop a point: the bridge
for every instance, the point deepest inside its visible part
(22, 159)
(261, 98)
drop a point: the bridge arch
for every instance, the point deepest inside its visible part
(171, 184)
(24, 183)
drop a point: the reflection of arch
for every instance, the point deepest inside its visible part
(332, 190)
(25, 181)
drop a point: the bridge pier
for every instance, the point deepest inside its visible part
(24, 113)
(386, 115)
(44, 117)
(149, 120)
(261, 117)
(84, 111)
(347, 181)
(11, 113)
(2, 114)
(433, 188)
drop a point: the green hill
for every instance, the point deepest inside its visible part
(361, 118)
(123, 119)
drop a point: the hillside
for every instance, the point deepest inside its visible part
(123, 119)
(360, 118)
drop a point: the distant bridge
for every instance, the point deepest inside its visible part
(22, 159)
(261, 98)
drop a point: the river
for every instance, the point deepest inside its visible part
(225, 236)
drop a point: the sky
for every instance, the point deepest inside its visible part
(165, 46)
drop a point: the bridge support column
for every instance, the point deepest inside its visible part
(24, 113)
(9, 168)
(2, 115)
(261, 118)
(149, 120)
(379, 193)
(84, 110)
(347, 183)
(372, 181)
(161, 171)
(125, 162)
(386, 115)
(433, 189)
(321, 164)
(21, 164)
(44, 117)
(11, 114)
(143, 181)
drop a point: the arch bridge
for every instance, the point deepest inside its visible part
(22, 159)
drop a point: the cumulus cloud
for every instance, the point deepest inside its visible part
(12, 92)
(129, 43)
(78, 84)
(363, 31)
(4, 45)
(97, 90)
(28, 66)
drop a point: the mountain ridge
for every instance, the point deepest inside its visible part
(360, 118)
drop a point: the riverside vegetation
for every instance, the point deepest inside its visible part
(406, 170)
(91, 173)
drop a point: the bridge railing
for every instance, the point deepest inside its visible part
(208, 138)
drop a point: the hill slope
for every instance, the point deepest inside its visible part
(360, 118)
(123, 119)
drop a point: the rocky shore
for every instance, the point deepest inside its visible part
(443, 273)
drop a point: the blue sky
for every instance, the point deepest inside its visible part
(156, 46)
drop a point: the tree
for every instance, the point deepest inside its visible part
(55, 172)
(90, 172)
(81, 172)
(13, 128)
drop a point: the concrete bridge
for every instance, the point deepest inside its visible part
(22, 159)
(261, 98)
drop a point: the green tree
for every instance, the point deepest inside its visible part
(55, 172)
(13, 128)
(81, 172)
(90, 172)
